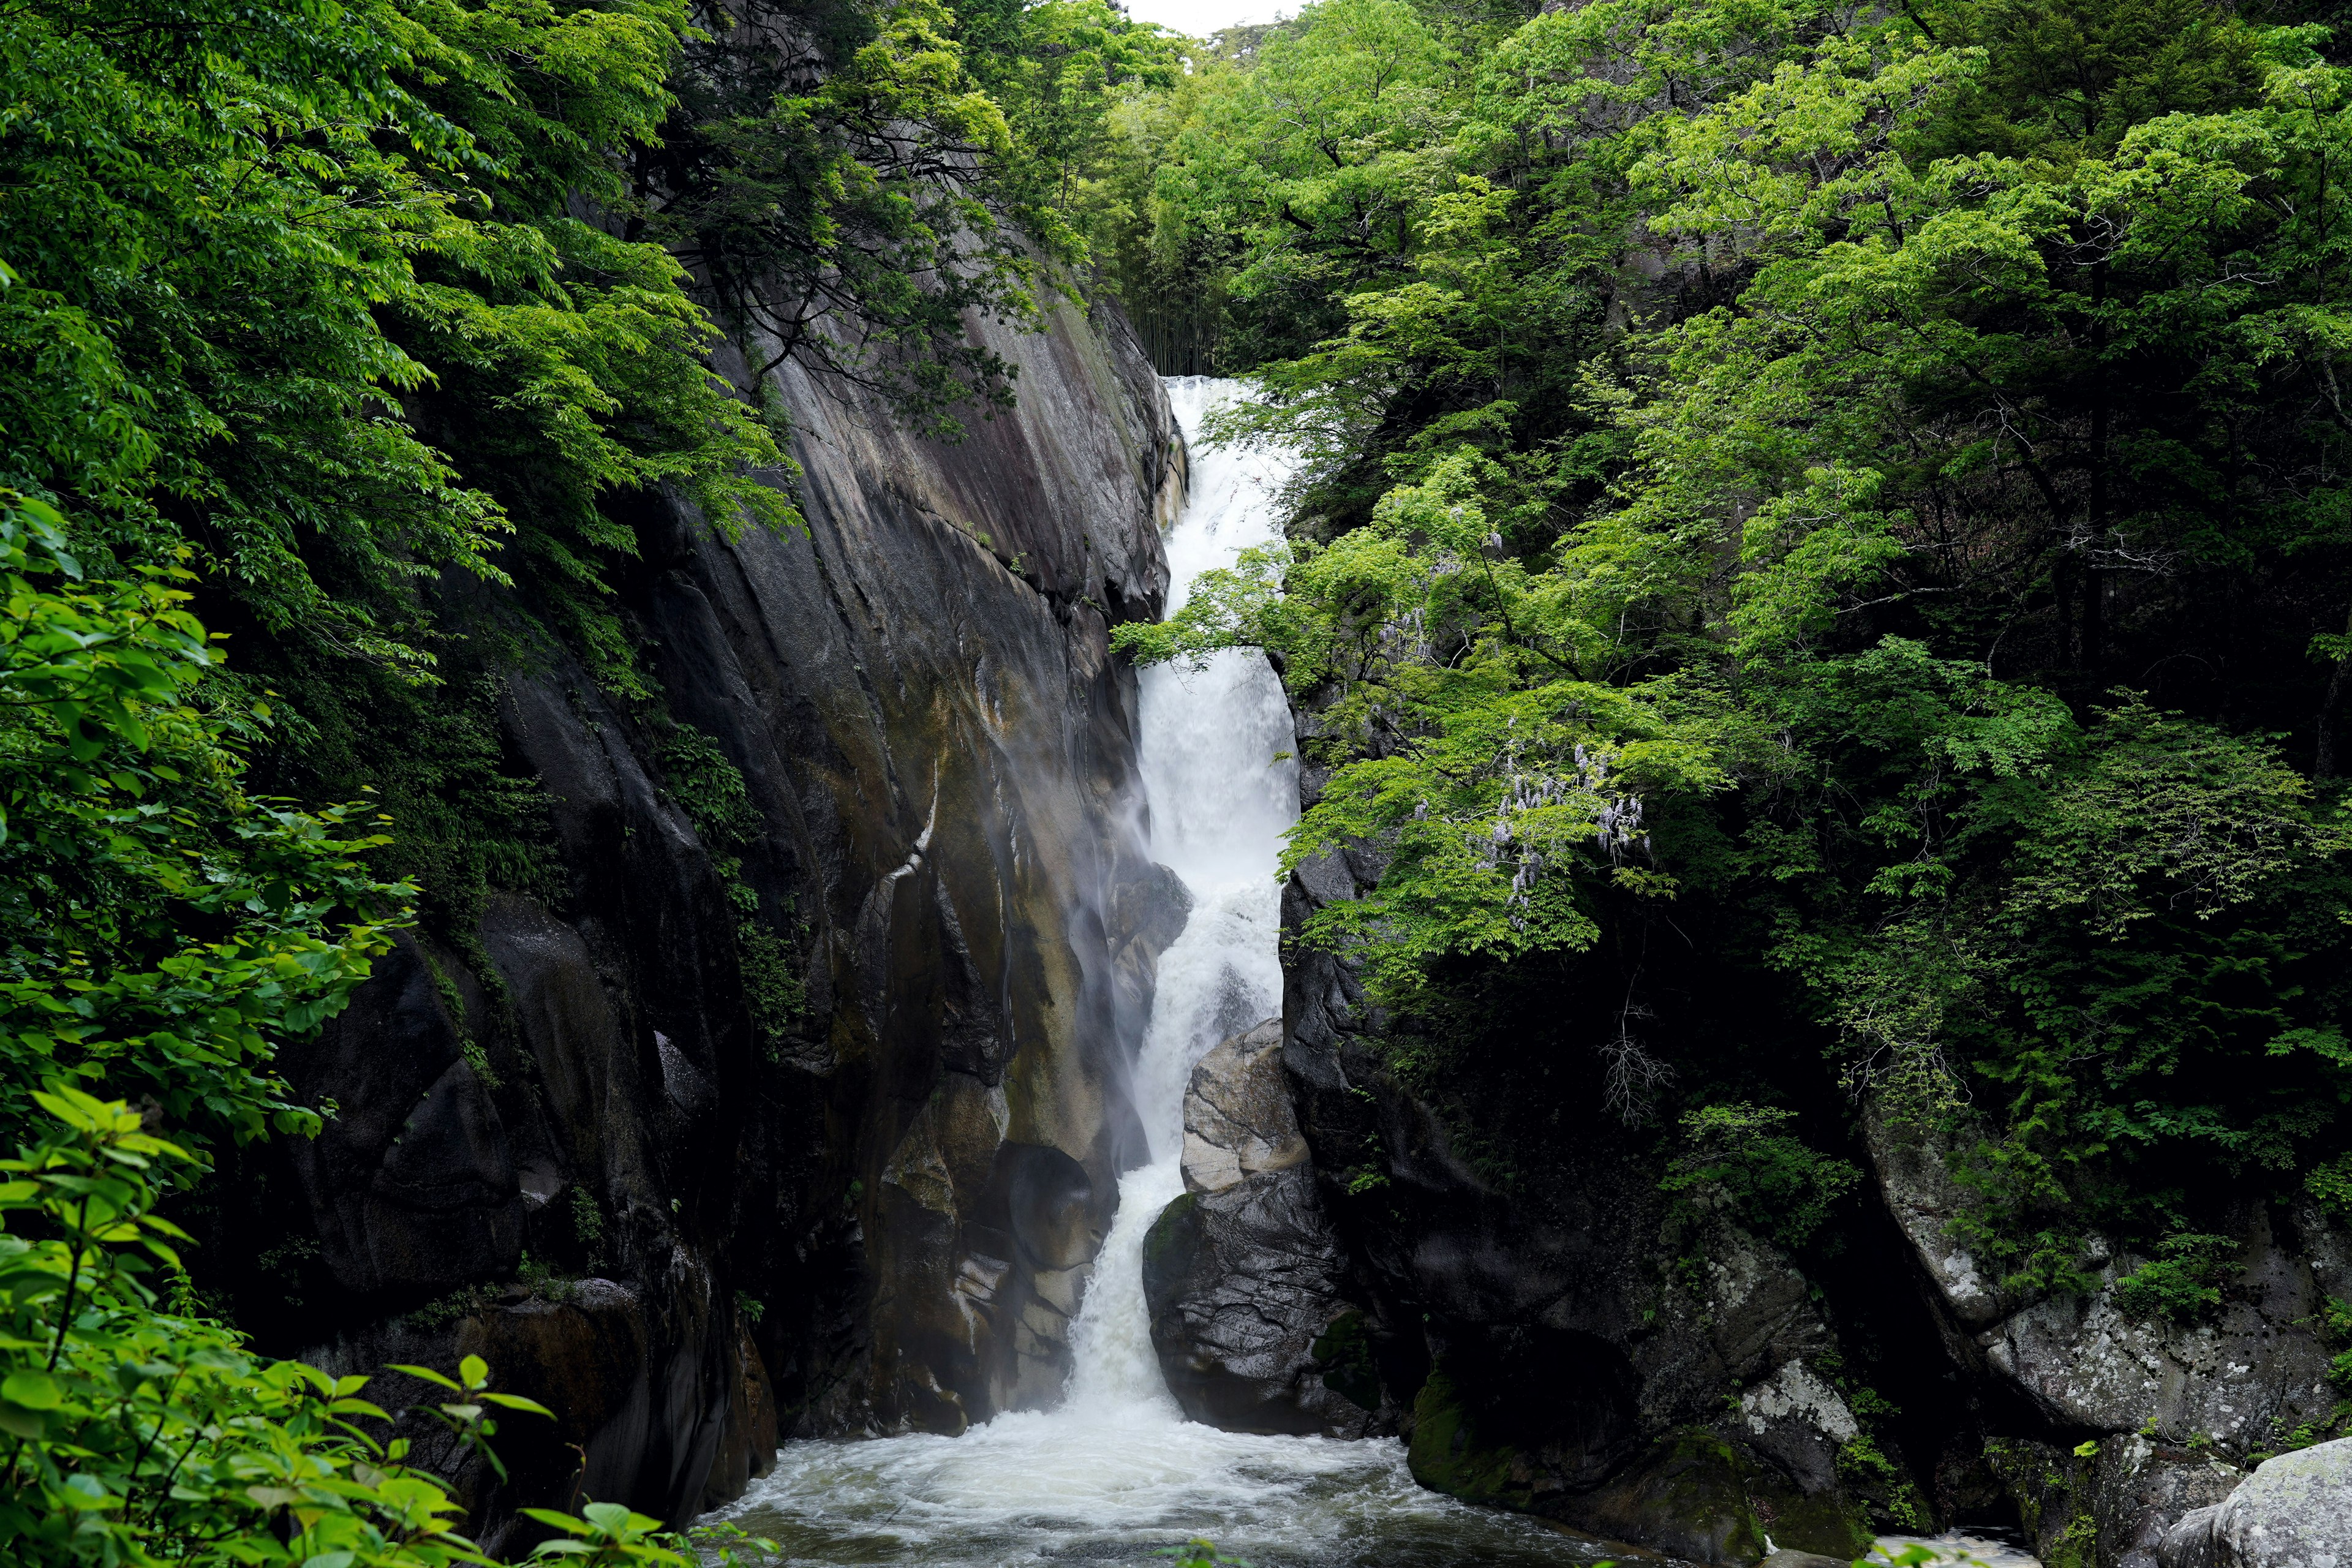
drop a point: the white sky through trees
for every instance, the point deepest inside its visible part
(1201, 18)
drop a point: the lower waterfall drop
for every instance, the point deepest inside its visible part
(1117, 1473)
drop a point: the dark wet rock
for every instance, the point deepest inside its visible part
(1243, 1273)
(412, 1186)
(1562, 1350)
(880, 1216)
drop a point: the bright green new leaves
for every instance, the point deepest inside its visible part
(854, 216)
(1741, 1159)
(606, 1534)
(137, 1436)
(92, 659)
(1497, 781)
(289, 286)
(162, 928)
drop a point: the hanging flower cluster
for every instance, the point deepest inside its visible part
(1514, 837)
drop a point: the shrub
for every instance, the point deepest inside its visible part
(1767, 1181)
(2185, 1280)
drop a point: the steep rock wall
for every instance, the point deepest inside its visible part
(1557, 1353)
(565, 1140)
(1569, 1346)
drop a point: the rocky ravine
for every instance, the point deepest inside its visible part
(562, 1143)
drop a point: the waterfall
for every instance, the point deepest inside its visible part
(1223, 789)
(1117, 1471)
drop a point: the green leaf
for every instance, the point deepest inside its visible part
(32, 1390)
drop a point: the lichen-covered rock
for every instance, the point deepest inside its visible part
(2294, 1511)
(1242, 1274)
(2170, 1404)
(2140, 1487)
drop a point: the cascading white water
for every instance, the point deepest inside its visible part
(1223, 789)
(1118, 1472)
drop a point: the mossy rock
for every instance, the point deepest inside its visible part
(1692, 1495)
(1826, 1524)
(1687, 1497)
(1447, 1454)
(1344, 1351)
(1169, 1245)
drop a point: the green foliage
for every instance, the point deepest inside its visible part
(1741, 1159)
(163, 928)
(2331, 1184)
(790, 180)
(724, 1544)
(1822, 483)
(773, 992)
(138, 1437)
(305, 289)
(1863, 1464)
(588, 1225)
(1200, 1552)
(710, 788)
(2185, 1283)
(605, 1535)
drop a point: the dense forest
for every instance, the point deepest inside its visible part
(1823, 530)
(1819, 538)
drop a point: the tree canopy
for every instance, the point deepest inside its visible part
(1844, 507)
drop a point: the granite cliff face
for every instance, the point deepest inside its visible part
(578, 1141)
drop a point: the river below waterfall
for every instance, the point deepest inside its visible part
(1117, 1473)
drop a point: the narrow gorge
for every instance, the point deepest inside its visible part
(964, 784)
(995, 1255)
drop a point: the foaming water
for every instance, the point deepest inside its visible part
(1117, 1473)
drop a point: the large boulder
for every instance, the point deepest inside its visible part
(1244, 1274)
(2295, 1512)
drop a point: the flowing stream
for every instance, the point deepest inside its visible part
(1117, 1472)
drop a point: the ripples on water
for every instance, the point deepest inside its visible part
(1058, 1488)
